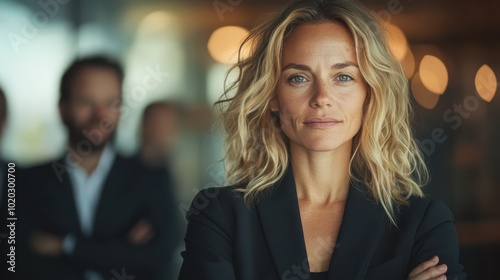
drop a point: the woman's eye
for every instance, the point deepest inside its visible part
(344, 78)
(297, 79)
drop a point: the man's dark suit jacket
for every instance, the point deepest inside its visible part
(131, 193)
(225, 240)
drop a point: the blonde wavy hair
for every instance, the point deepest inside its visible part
(385, 156)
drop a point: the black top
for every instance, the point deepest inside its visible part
(318, 275)
(226, 240)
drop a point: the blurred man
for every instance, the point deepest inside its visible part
(160, 130)
(94, 214)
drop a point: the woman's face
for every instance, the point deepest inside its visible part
(321, 91)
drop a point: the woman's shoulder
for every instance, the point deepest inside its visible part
(216, 202)
(428, 205)
(426, 212)
(222, 195)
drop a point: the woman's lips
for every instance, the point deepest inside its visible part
(321, 122)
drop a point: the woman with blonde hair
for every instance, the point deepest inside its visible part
(325, 174)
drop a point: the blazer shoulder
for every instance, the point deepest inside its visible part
(429, 212)
(430, 207)
(214, 199)
(218, 204)
(41, 172)
(42, 167)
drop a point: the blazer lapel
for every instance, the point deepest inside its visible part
(362, 226)
(115, 179)
(62, 195)
(280, 219)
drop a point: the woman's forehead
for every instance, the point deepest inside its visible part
(331, 41)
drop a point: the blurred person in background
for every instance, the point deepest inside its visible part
(160, 131)
(94, 214)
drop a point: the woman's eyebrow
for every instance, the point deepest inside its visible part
(344, 65)
(339, 65)
(297, 66)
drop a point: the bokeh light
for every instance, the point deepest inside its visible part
(433, 74)
(422, 95)
(408, 64)
(397, 41)
(224, 44)
(156, 21)
(486, 83)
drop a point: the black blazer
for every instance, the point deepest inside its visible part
(131, 192)
(225, 240)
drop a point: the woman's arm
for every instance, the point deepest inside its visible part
(208, 253)
(437, 236)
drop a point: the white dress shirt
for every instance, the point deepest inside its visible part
(87, 192)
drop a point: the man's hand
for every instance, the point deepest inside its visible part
(141, 233)
(46, 244)
(429, 270)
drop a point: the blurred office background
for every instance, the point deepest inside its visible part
(450, 51)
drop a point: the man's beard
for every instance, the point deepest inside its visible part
(90, 137)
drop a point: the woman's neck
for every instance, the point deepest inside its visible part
(321, 177)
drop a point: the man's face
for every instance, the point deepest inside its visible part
(91, 112)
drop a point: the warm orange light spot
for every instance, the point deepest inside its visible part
(433, 74)
(421, 94)
(397, 41)
(409, 64)
(486, 83)
(224, 44)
